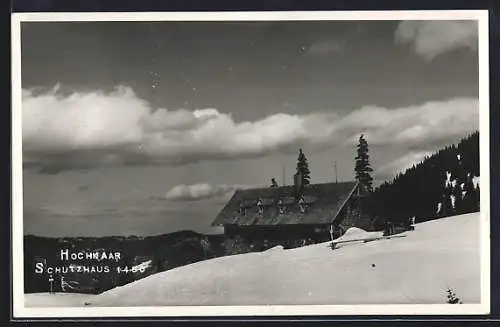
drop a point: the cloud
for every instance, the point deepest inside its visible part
(202, 191)
(414, 126)
(88, 129)
(430, 39)
(390, 169)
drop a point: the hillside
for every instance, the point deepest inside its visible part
(416, 268)
(163, 252)
(443, 184)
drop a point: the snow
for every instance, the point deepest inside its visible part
(354, 234)
(475, 181)
(56, 299)
(416, 269)
(447, 183)
(439, 206)
(276, 248)
(142, 266)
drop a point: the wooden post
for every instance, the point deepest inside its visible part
(51, 282)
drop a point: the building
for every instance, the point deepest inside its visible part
(313, 212)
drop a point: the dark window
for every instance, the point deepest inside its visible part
(243, 209)
(302, 205)
(281, 207)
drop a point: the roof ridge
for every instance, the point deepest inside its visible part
(286, 186)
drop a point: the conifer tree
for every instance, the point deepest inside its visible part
(447, 207)
(303, 168)
(457, 193)
(362, 164)
(470, 196)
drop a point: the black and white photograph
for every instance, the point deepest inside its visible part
(250, 163)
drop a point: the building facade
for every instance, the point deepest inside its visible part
(291, 215)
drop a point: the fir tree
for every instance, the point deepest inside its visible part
(447, 206)
(362, 164)
(457, 193)
(470, 204)
(452, 297)
(303, 168)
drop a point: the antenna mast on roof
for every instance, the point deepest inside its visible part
(283, 175)
(335, 167)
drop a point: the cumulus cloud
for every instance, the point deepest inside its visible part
(82, 130)
(429, 39)
(201, 191)
(414, 126)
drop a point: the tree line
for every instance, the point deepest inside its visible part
(441, 185)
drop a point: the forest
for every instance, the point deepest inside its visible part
(441, 185)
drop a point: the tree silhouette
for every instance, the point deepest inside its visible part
(303, 168)
(362, 164)
(458, 195)
(419, 190)
(447, 207)
(470, 196)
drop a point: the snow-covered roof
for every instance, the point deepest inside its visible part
(323, 203)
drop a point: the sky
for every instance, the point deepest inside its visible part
(148, 127)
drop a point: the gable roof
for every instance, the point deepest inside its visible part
(323, 203)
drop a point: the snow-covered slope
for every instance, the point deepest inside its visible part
(415, 269)
(47, 300)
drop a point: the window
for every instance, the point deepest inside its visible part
(243, 209)
(281, 207)
(260, 206)
(302, 205)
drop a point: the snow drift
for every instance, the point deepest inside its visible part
(415, 269)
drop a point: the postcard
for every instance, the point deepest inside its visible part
(177, 164)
